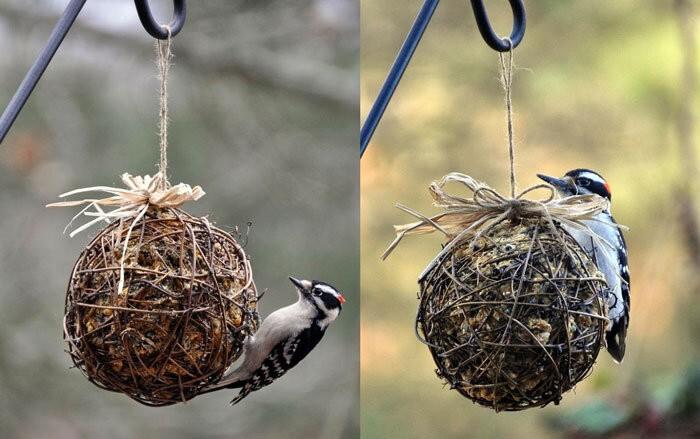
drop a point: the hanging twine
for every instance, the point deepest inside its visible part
(141, 192)
(507, 82)
(163, 50)
(465, 219)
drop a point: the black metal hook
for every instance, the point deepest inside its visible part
(411, 42)
(59, 33)
(158, 30)
(487, 33)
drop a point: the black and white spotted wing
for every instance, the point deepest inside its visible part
(285, 355)
(615, 338)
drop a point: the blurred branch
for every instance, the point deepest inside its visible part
(686, 131)
(258, 64)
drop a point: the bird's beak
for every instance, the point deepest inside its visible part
(302, 285)
(558, 183)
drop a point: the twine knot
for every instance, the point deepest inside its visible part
(489, 199)
(514, 206)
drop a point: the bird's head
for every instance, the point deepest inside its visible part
(579, 182)
(326, 298)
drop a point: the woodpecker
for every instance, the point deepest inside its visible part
(285, 337)
(611, 262)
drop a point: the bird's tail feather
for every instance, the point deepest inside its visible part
(615, 340)
(223, 384)
(242, 394)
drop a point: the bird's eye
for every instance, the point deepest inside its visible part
(585, 182)
(317, 292)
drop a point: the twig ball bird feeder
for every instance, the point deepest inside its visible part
(186, 305)
(512, 309)
(514, 319)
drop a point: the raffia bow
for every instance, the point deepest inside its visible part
(470, 218)
(132, 202)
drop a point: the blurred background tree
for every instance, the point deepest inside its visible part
(263, 116)
(604, 85)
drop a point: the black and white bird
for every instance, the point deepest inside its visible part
(285, 337)
(612, 262)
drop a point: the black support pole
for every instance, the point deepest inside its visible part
(34, 74)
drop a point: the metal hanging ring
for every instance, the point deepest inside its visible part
(157, 30)
(489, 35)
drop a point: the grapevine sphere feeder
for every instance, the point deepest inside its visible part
(187, 303)
(515, 318)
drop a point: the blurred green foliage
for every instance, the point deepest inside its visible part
(597, 85)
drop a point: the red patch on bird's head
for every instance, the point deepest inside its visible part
(607, 187)
(341, 298)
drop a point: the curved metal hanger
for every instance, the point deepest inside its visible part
(155, 29)
(489, 35)
(59, 33)
(411, 43)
